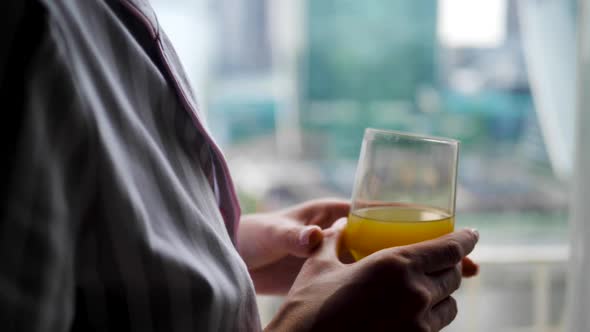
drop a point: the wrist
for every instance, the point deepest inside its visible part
(290, 317)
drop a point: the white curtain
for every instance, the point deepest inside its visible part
(549, 42)
(578, 305)
(560, 83)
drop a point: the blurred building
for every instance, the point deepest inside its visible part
(381, 64)
(363, 66)
(244, 46)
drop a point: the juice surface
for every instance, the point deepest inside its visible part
(372, 229)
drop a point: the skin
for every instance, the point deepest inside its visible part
(275, 245)
(296, 252)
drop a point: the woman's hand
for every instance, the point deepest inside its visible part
(398, 289)
(275, 245)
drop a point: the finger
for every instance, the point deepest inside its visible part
(322, 212)
(469, 268)
(329, 249)
(298, 240)
(442, 314)
(345, 256)
(442, 284)
(441, 253)
(334, 209)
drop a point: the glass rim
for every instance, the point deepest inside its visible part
(414, 136)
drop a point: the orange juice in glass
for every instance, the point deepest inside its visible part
(404, 191)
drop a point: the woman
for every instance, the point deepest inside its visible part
(119, 212)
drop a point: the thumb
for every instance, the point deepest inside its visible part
(301, 240)
(331, 245)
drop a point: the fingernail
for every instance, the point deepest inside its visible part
(475, 232)
(341, 223)
(309, 236)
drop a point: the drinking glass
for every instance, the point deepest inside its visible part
(404, 191)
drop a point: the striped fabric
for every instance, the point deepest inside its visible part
(119, 211)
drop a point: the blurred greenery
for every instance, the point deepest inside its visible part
(248, 202)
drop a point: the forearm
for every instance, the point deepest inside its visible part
(290, 317)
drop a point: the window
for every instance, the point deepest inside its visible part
(289, 86)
